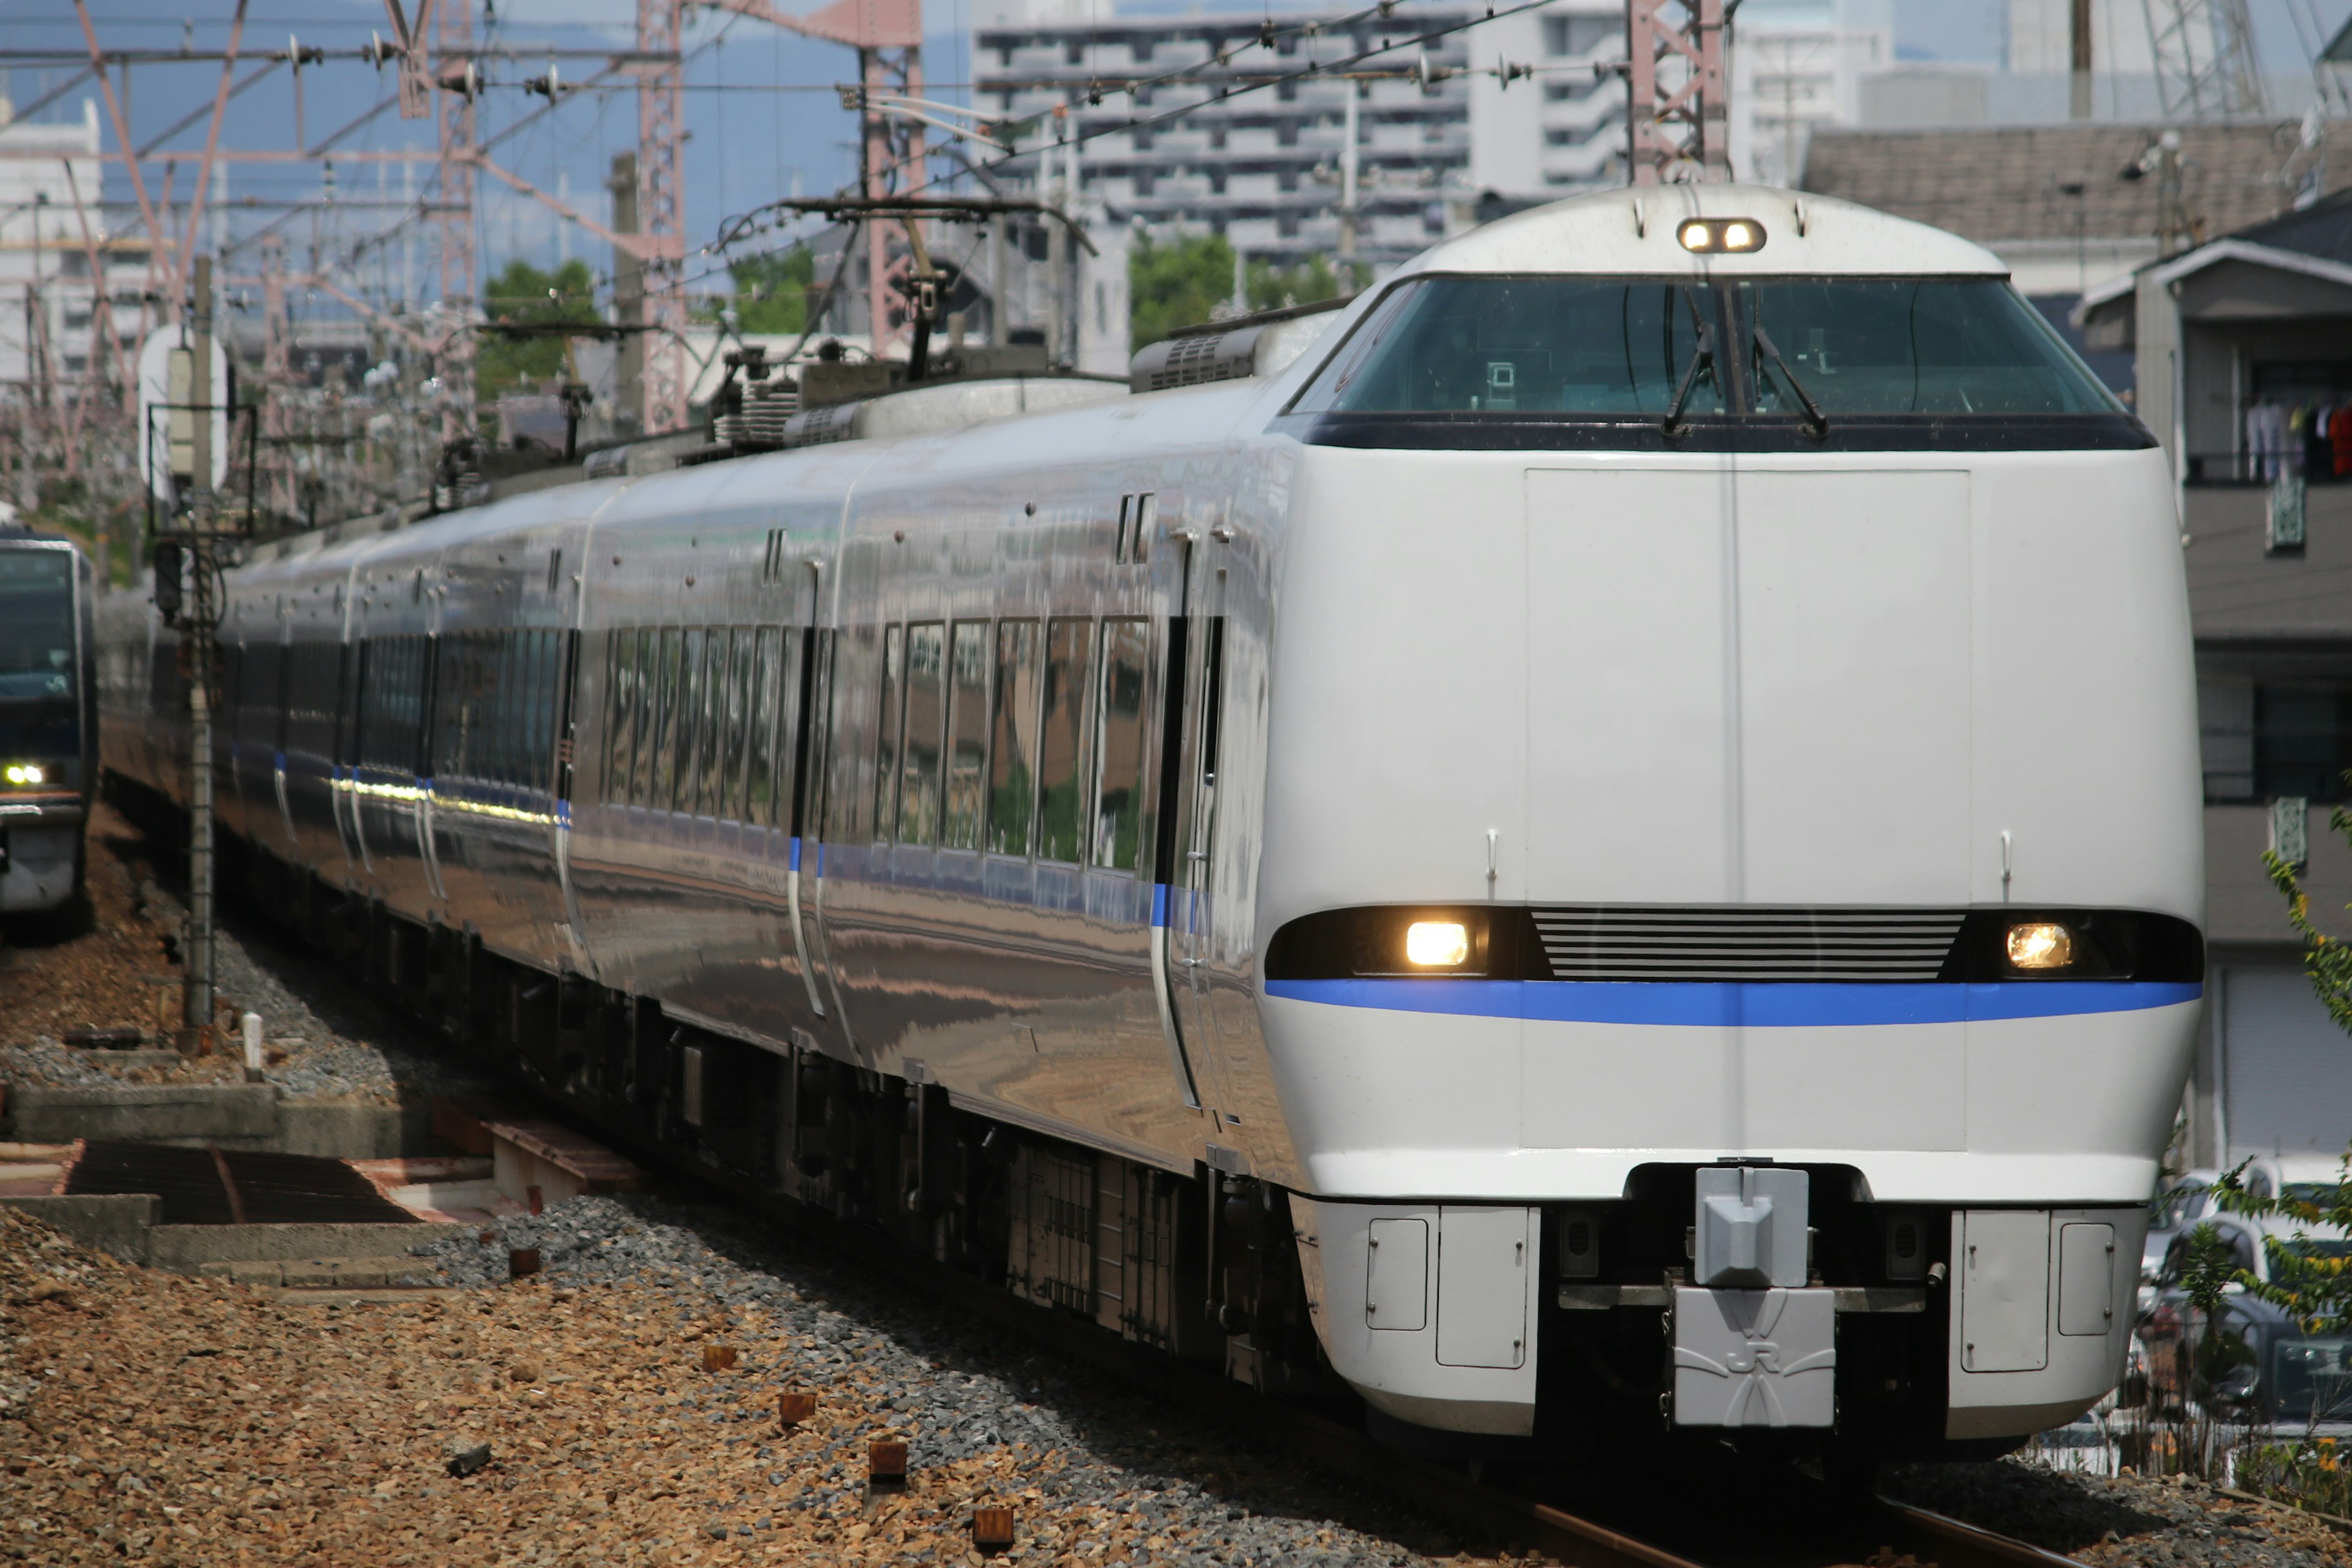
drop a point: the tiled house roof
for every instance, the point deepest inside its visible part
(1997, 184)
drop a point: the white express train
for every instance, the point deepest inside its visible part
(1645, 781)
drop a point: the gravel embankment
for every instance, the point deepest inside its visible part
(174, 1420)
(2123, 1522)
(105, 968)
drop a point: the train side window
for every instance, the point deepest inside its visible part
(486, 683)
(691, 660)
(918, 790)
(551, 706)
(886, 770)
(1120, 743)
(518, 730)
(663, 781)
(620, 712)
(449, 748)
(1013, 769)
(710, 783)
(476, 677)
(645, 735)
(1062, 736)
(534, 707)
(510, 686)
(739, 714)
(967, 733)
(764, 717)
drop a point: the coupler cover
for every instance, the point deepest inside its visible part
(1755, 1358)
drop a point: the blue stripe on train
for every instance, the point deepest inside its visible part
(1788, 1004)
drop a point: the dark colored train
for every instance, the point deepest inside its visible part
(48, 719)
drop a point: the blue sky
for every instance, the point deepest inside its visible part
(760, 102)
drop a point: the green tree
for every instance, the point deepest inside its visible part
(1175, 283)
(524, 293)
(1273, 287)
(772, 289)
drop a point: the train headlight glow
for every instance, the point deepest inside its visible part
(1436, 944)
(24, 773)
(2042, 944)
(1727, 234)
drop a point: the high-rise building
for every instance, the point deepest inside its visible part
(45, 288)
(1416, 134)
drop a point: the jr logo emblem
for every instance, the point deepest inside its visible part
(1755, 1358)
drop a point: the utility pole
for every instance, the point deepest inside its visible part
(1349, 133)
(2173, 231)
(203, 618)
(629, 300)
(2079, 105)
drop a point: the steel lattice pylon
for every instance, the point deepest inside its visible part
(1677, 109)
(2204, 58)
(454, 223)
(661, 211)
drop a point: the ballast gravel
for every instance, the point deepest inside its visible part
(2123, 1522)
(107, 966)
(157, 1418)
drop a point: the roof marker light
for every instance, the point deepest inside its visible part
(1736, 235)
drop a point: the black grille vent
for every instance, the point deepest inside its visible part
(1623, 942)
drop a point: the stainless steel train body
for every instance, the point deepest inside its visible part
(48, 712)
(1414, 883)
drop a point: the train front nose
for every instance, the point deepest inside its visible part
(1748, 692)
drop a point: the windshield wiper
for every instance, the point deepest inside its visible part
(1702, 358)
(1817, 424)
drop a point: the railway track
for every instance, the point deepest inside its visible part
(1746, 1515)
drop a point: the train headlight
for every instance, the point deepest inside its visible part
(1708, 234)
(2041, 944)
(1437, 944)
(24, 773)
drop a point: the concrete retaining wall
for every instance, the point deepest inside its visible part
(250, 1116)
(126, 1224)
(119, 1223)
(231, 1115)
(187, 1247)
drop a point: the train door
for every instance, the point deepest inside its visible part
(811, 719)
(799, 733)
(567, 740)
(1189, 693)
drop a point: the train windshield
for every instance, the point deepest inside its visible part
(36, 655)
(1649, 346)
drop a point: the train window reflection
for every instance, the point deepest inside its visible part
(967, 733)
(663, 780)
(687, 692)
(739, 720)
(1624, 345)
(766, 722)
(1620, 346)
(1061, 770)
(1907, 345)
(885, 771)
(919, 791)
(648, 714)
(699, 774)
(621, 712)
(1119, 744)
(1012, 767)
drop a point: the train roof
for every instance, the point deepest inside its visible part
(1636, 231)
